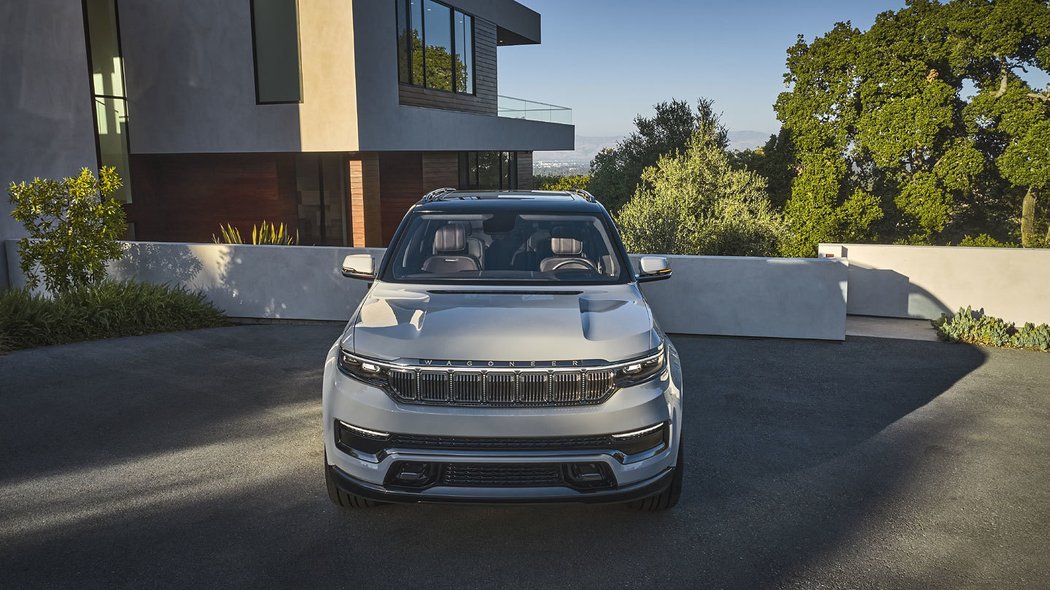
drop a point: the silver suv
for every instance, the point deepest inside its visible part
(504, 353)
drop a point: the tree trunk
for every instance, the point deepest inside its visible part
(1028, 237)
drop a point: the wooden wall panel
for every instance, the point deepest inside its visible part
(525, 178)
(484, 100)
(440, 169)
(186, 197)
(365, 215)
(402, 186)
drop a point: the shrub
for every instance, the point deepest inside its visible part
(562, 183)
(263, 234)
(985, 241)
(108, 310)
(976, 327)
(74, 225)
(695, 202)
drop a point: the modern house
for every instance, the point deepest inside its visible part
(332, 116)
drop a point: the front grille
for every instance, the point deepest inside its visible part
(502, 475)
(501, 388)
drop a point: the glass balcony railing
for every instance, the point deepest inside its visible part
(519, 108)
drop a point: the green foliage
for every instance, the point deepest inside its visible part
(562, 183)
(695, 202)
(985, 241)
(106, 310)
(975, 327)
(775, 161)
(882, 114)
(263, 234)
(74, 225)
(616, 172)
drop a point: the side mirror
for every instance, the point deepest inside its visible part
(359, 266)
(653, 268)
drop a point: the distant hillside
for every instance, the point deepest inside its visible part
(578, 161)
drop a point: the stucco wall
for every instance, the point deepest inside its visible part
(46, 122)
(732, 296)
(190, 79)
(926, 281)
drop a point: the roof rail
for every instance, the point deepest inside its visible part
(436, 194)
(579, 192)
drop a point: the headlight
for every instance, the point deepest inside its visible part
(362, 369)
(641, 370)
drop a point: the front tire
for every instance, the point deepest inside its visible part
(341, 498)
(668, 498)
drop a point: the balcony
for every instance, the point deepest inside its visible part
(519, 108)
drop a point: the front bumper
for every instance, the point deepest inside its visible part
(352, 402)
(625, 493)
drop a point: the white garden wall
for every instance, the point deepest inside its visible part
(926, 281)
(732, 296)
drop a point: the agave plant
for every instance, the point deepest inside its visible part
(265, 233)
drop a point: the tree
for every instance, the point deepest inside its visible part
(74, 225)
(616, 172)
(695, 202)
(775, 161)
(886, 147)
(562, 183)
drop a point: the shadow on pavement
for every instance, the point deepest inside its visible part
(213, 456)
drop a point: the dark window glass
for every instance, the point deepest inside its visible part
(415, 42)
(488, 170)
(403, 40)
(275, 37)
(464, 53)
(437, 30)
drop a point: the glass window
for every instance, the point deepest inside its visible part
(403, 40)
(435, 46)
(275, 39)
(437, 28)
(107, 88)
(415, 47)
(488, 170)
(506, 246)
(464, 53)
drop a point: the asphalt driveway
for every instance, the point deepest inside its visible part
(194, 460)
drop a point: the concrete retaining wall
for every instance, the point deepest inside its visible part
(732, 296)
(926, 281)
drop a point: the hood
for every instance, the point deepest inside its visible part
(501, 324)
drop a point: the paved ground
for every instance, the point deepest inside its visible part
(194, 460)
(858, 325)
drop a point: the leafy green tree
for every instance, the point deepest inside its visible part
(696, 202)
(886, 147)
(74, 225)
(562, 183)
(616, 172)
(775, 161)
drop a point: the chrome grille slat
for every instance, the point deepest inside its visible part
(532, 388)
(467, 387)
(501, 388)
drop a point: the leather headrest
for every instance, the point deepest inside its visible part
(566, 246)
(538, 238)
(450, 238)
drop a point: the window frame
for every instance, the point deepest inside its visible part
(507, 168)
(404, 7)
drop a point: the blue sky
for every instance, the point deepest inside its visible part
(612, 59)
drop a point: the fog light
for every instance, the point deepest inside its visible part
(414, 474)
(586, 473)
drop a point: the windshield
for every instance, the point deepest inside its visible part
(506, 246)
